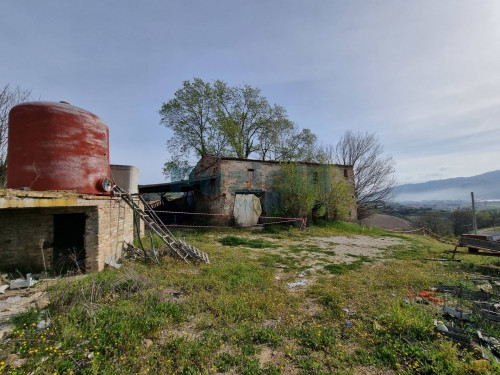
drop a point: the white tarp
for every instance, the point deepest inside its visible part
(247, 210)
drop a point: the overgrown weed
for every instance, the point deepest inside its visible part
(178, 318)
(240, 241)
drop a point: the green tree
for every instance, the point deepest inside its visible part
(486, 218)
(247, 119)
(314, 190)
(436, 222)
(190, 115)
(289, 145)
(298, 197)
(218, 119)
(461, 221)
(336, 198)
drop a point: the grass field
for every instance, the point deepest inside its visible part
(355, 314)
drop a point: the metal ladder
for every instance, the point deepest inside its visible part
(178, 248)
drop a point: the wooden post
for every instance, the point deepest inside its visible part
(474, 222)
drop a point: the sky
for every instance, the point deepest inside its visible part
(424, 75)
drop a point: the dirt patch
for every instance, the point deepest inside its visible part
(172, 294)
(186, 331)
(372, 370)
(314, 253)
(16, 302)
(277, 358)
(367, 246)
(265, 356)
(310, 308)
(191, 271)
(13, 302)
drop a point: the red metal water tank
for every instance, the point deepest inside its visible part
(56, 146)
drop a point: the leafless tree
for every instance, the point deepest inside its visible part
(374, 173)
(9, 97)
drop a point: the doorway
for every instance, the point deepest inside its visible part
(69, 243)
(247, 210)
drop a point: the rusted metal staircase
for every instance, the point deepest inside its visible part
(177, 248)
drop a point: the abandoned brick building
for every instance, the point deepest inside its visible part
(57, 211)
(216, 184)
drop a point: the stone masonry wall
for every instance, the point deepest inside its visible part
(239, 175)
(115, 225)
(27, 227)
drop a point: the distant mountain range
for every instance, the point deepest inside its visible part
(485, 186)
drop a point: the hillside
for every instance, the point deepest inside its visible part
(485, 186)
(387, 222)
(334, 299)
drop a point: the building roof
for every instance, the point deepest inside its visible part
(174, 186)
(167, 187)
(271, 161)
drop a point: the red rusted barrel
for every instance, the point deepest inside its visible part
(56, 146)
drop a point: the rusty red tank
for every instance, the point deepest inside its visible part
(56, 146)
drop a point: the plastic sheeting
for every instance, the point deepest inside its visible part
(247, 210)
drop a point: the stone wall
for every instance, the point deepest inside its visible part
(27, 227)
(220, 179)
(115, 224)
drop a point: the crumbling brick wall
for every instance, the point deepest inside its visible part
(220, 179)
(27, 227)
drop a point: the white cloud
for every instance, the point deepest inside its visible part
(422, 74)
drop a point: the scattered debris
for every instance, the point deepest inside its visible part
(18, 284)
(132, 251)
(430, 296)
(443, 259)
(9, 301)
(43, 324)
(6, 330)
(177, 248)
(111, 261)
(23, 283)
(489, 269)
(455, 333)
(456, 313)
(461, 292)
(465, 304)
(492, 343)
(349, 312)
(421, 300)
(487, 311)
(3, 288)
(297, 283)
(16, 304)
(487, 287)
(440, 326)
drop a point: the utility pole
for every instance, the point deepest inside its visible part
(474, 222)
